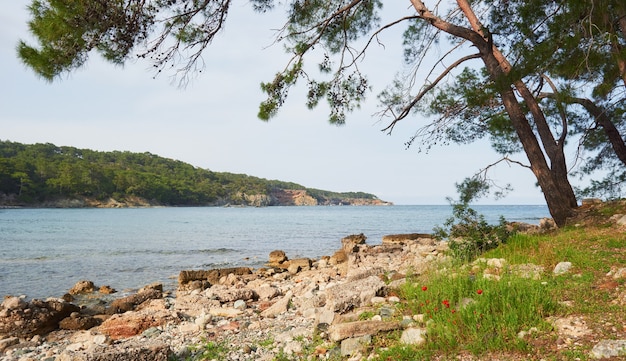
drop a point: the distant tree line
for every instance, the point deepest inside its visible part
(37, 173)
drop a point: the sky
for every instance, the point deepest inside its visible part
(212, 123)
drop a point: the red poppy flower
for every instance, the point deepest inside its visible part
(424, 288)
(446, 303)
(480, 292)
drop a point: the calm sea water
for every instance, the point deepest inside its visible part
(44, 252)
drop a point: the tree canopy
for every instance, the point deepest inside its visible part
(39, 173)
(530, 76)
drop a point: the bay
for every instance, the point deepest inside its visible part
(44, 252)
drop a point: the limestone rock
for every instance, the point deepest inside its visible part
(38, 317)
(413, 336)
(349, 244)
(341, 331)
(353, 294)
(128, 303)
(609, 348)
(78, 322)
(160, 352)
(277, 257)
(353, 345)
(562, 268)
(207, 278)
(134, 323)
(279, 307)
(408, 237)
(229, 294)
(82, 287)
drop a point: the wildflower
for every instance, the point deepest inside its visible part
(446, 303)
(480, 292)
(424, 288)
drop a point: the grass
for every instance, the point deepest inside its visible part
(468, 315)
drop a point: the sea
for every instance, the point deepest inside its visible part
(44, 252)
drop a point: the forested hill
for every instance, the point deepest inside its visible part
(49, 175)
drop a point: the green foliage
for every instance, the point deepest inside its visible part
(40, 172)
(209, 351)
(463, 311)
(467, 231)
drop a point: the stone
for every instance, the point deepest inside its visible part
(277, 257)
(229, 294)
(562, 268)
(37, 317)
(341, 331)
(239, 305)
(413, 336)
(130, 324)
(353, 294)
(408, 238)
(191, 279)
(227, 312)
(106, 290)
(160, 352)
(9, 341)
(82, 287)
(129, 303)
(350, 243)
(608, 348)
(266, 292)
(14, 303)
(281, 306)
(353, 345)
(80, 322)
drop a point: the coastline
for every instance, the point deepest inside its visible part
(290, 297)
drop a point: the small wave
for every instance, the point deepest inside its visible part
(214, 251)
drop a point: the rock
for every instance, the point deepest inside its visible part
(35, 318)
(277, 257)
(349, 244)
(106, 290)
(562, 268)
(128, 303)
(266, 292)
(227, 312)
(130, 324)
(341, 331)
(279, 307)
(9, 341)
(82, 287)
(349, 295)
(14, 303)
(353, 345)
(78, 322)
(337, 258)
(303, 263)
(408, 237)
(413, 336)
(229, 294)
(608, 348)
(528, 270)
(207, 278)
(160, 352)
(240, 305)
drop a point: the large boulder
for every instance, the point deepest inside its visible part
(129, 303)
(193, 279)
(19, 318)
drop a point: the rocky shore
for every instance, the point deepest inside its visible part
(330, 308)
(248, 314)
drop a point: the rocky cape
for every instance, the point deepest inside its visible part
(278, 197)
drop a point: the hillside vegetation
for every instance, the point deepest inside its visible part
(46, 174)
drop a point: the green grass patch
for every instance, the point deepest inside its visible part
(463, 312)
